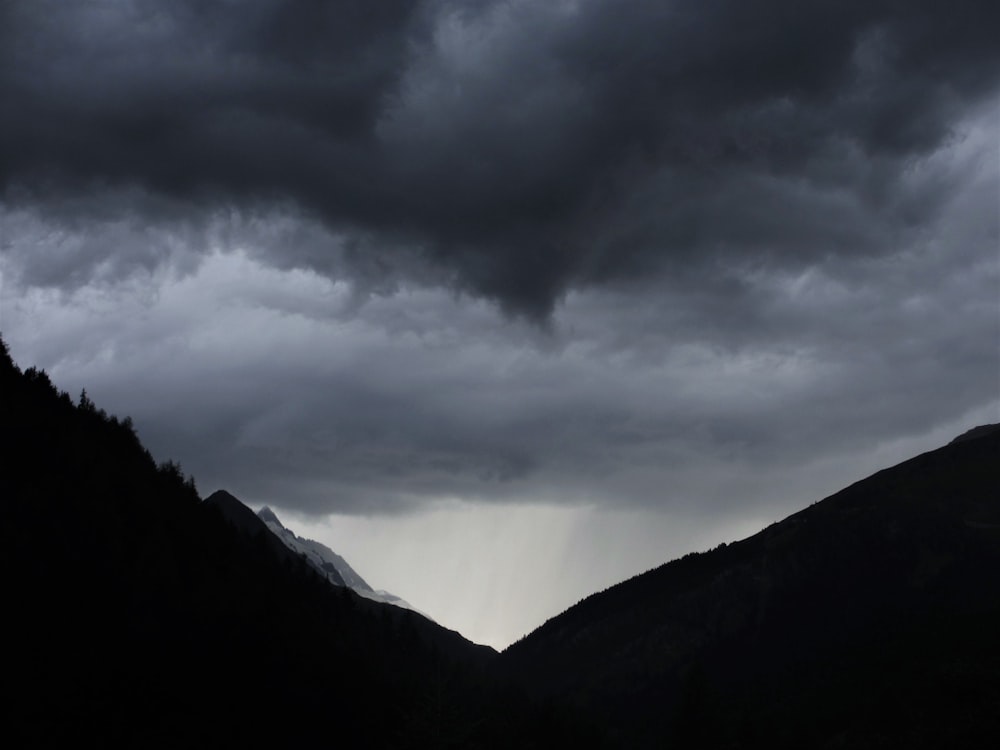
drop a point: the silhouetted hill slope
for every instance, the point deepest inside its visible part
(867, 619)
(246, 522)
(331, 565)
(335, 569)
(977, 432)
(138, 615)
(447, 642)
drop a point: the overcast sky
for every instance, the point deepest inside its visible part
(508, 301)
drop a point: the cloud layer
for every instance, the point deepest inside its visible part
(366, 255)
(514, 150)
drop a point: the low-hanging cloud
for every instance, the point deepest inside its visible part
(288, 237)
(514, 150)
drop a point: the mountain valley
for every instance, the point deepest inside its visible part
(142, 614)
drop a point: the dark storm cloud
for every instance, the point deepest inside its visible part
(514, 150)
(683, 392)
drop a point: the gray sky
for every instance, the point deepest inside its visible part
(509, 301)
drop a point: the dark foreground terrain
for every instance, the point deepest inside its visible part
(139, 614)
(866, 620)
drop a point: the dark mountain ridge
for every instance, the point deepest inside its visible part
(141, 615)
(860, 618)
(252, 526)
(247, 522)
(265, 517)
(329, 564)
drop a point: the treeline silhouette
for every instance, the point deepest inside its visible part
(138, 615)
(868, 619)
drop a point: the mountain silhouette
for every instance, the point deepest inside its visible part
(868, 618)
(139, 614)
(261, 529)
(327, 563)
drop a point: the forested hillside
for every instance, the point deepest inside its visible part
(867, 619)
(140, 616)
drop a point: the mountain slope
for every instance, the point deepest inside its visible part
(143, 617)
(266, 530)
(140, 615)
(868, 617)
(249, 524)
(328, 563)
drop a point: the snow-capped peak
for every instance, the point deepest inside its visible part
(267, 515)
(328, 563)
